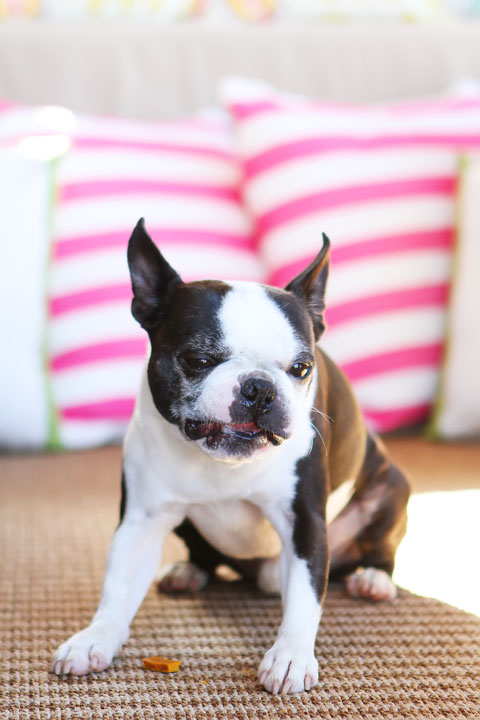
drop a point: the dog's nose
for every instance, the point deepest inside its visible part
(259, 393)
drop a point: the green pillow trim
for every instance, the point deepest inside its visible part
(53, 438)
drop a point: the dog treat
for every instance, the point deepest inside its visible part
(162, 664)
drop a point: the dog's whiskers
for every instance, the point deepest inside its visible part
(324, 415)
(320, 436)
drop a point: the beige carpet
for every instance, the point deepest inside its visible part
(414, 658)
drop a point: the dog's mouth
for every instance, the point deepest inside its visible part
(215, 433)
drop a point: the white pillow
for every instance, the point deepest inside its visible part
(25, 192)
(457, 409)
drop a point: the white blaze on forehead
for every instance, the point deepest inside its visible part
(253, 325)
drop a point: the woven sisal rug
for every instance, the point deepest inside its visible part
(415, 658)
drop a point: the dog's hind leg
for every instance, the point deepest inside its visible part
(182, 577)
(203, 561)
(194, 574)
(268, 575)
(364, 536)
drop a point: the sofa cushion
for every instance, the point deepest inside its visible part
(24, 184)
(184, 179)
(27, 152)
(381, 182)
(86, 181)
(457, 407)
(167, 10)
(18, 8)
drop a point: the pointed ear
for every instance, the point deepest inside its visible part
(310, 286)
(153, 280)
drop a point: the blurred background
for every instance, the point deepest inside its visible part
(241, 130)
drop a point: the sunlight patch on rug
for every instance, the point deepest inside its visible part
(439, 555)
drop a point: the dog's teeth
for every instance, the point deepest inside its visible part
(212, 442)
(274, 439)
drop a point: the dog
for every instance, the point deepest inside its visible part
(242, 429)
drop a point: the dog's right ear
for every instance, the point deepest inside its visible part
(153, 279)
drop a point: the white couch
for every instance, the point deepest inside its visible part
(156, 71)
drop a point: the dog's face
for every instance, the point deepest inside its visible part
(232, 365)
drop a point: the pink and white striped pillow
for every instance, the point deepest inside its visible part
(183, 178)
(381, 182)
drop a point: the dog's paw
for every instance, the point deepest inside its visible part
(371, 584)
(182, 577)
(90, 650)
(288, 669)
(268, 576)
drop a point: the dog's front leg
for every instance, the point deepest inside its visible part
(133, 560)
(290, 665)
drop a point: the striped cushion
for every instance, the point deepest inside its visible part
(183, 178)
(381, 182)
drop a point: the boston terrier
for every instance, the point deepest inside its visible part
(242, 429)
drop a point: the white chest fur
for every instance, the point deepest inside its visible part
(236, 528)
(240, 529)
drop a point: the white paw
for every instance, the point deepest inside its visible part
(182, 577)
(371, 584)
(287, 668)
(90, 650)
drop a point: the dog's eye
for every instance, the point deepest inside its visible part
(300, 370)
(198, 363)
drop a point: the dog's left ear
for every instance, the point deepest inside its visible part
(310, 286)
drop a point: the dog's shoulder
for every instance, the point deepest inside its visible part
(338, 418)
